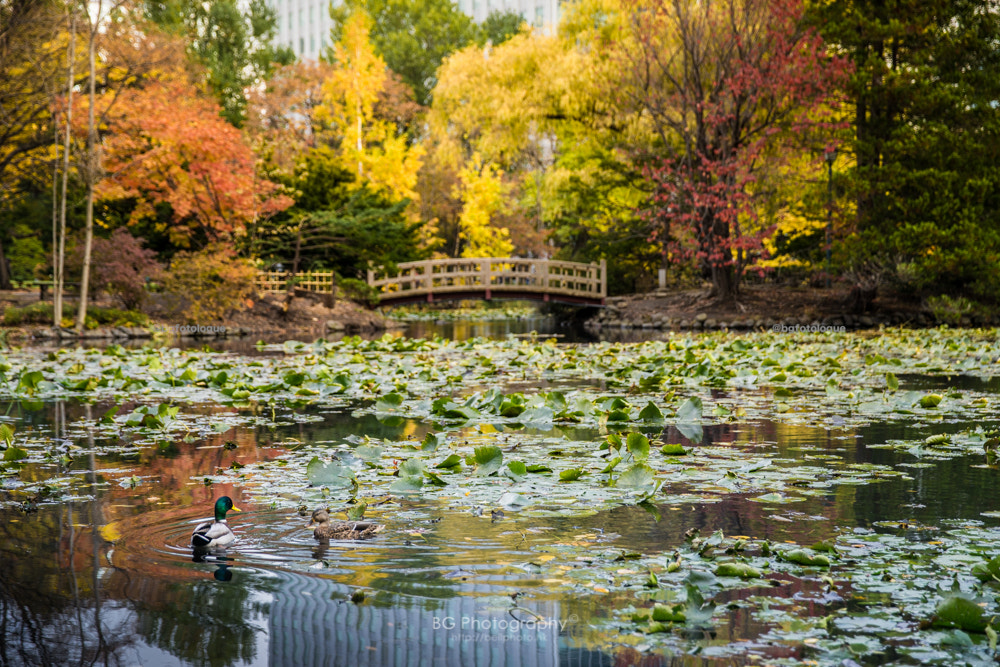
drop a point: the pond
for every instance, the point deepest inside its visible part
(709, 499)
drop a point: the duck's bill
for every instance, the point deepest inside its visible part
(236, 509)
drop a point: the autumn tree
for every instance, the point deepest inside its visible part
(482, 196)
(721, 82)
(412, 36)
(169, 146)
(370, 146)
(282, 115)
(33, 47)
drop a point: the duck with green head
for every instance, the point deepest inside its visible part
(216, 533)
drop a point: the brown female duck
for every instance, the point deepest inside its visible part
(326, 529)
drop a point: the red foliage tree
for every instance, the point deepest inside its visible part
(722, 82)
(166, 144)
(122, 267)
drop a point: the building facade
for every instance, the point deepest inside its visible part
(304, 25)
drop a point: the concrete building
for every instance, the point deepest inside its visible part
(543, 14)
(304, 25)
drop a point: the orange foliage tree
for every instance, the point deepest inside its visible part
(165, 144)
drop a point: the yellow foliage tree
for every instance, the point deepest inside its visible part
(370, 146)
(482, 195)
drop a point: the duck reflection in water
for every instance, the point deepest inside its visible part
(222, 572)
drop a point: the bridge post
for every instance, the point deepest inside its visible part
(604, 280)
(486, 275)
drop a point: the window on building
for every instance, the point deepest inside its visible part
(539, 16)
(312, 43)
(302, 17)
(302, 44)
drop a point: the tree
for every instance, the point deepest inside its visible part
(500, 26)
(721, 83)
(926, 131)
(124, 268)
(412, 36)
(281, 116)
(334, 223)
(168, 146)
(481, 193)
(235, 46)
(33, 39)
(368, 145)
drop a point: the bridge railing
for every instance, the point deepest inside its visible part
(488, 274)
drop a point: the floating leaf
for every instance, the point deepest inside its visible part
(431, 441)
(636, 477)
(690, 410)
(741, 570)
(407, 485)
(411, 468)
(434, 478)
(452, 461)
(331, 474)
(930, 400)
(673, 450)
(650, 413)
(804, 557)
(389, 403)
(14, 453)
(488, 460)
(664, 614)
(958, 611)
(638, 445)
(571, 475)
(517, 468)
(369, 453)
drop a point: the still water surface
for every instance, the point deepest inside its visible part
(106, 576)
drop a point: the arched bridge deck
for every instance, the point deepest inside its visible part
(492, 278)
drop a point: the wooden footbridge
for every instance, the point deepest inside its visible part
(492, 278)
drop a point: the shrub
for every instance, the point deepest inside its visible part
(951, 310)
(41, 313)
(360, 291)
(122, 267)
(212, 282)
(36, 313)
(26, 255)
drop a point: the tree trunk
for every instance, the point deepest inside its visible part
(59, 268)
(4, 275)
(724, 286)
(92, 167)
(724, 282)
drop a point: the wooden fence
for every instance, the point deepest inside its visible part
(314, 281)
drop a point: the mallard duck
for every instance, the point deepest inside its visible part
(341, 530)
(216, 533)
